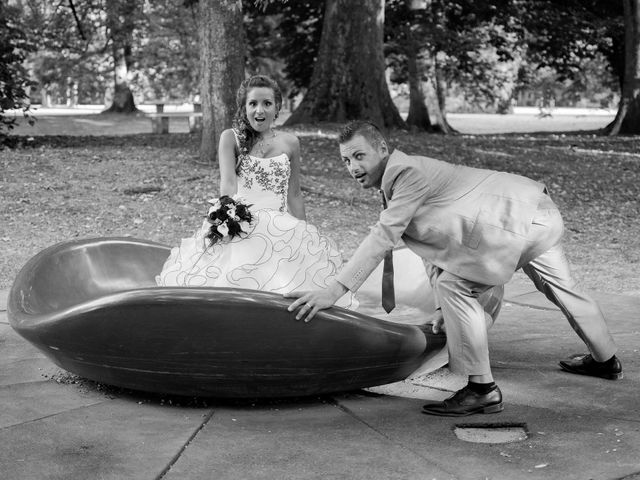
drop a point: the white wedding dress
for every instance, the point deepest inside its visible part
(279, 253)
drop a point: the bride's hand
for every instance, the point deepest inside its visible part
(313, 301)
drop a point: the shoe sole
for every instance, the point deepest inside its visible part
(497, 408)
(610, 376)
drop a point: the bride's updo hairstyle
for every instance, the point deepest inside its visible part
(247, 136)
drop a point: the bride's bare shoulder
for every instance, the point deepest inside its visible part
(290, 140)
(229, 132)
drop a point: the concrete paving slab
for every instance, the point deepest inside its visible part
(580, 427)
(519, 325)
(117, 439)
(300, 440)
(525, 364)
(520, 291)
(20, 361)
(26, 402)
(611, 304)
(560, 446)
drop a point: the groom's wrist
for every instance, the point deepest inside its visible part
(337, 289)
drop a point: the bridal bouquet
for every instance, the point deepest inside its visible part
(229, 217)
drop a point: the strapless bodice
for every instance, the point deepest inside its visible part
(264, 182)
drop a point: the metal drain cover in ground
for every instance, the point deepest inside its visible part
(491, 432)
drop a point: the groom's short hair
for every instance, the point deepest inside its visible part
(368, 130)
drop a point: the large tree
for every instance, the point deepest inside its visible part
(412, 36)
(405, 52)
(434, 44)
(429, 45)
(121, 18)
(628, 117)
(348, 80)
(222, 57)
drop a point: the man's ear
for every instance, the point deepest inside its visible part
(384, 148)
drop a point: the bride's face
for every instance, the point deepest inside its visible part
(261, 108)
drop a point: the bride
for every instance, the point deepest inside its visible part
(277, 250)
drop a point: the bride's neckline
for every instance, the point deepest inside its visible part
(268, 158)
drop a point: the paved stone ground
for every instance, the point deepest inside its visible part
(578, 427)
(86, 121)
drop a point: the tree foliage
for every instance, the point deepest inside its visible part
(262, 29)
(562, 33)
(73, 59)
(482, 47)
(158, 42)
(14, 48)
(167, 59)
(297, 29)
(568, 33)
(481, 52)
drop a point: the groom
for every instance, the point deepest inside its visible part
(477, 227)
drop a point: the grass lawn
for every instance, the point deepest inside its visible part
(152, 187)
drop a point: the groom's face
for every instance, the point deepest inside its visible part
(365, 162)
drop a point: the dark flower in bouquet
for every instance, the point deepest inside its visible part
(229, 217)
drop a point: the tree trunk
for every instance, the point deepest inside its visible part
(121, 17)
(222, 58)
(46, 97)
(627, 119)
(435, 94)
(505, 104)
(123, 101)
(418, 117)
(72, 93)
(348, 80)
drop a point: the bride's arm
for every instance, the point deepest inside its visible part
(227, 163)
(295, 202)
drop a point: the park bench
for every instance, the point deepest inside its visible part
(160, 118)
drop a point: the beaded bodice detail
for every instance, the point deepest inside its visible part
(264, 182)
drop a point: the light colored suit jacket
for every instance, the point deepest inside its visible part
(467, 221)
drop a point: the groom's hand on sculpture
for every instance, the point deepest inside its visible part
(310, 303)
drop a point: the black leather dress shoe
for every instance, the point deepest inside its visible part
(586, 365)
(466, 402)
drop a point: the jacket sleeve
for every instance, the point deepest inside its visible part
(409, 190)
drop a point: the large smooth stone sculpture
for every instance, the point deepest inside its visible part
(93, 307)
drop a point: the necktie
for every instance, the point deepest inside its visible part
(388, 294)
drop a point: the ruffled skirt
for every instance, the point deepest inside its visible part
(279, 253)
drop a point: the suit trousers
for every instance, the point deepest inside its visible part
(467, 339)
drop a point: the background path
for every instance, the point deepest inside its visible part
(86, 120)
